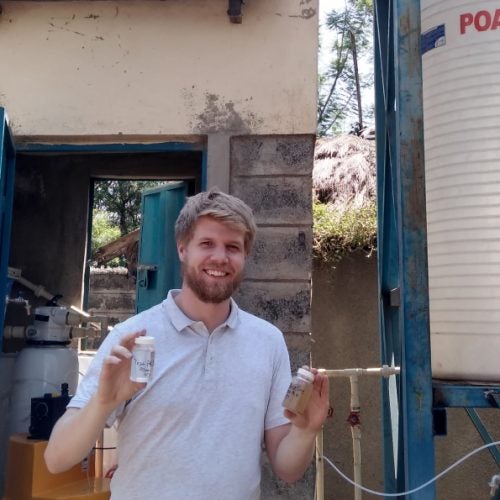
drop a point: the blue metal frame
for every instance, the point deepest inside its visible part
(449, 395)
(403, 286)
(124, 147)
(121, 148)
(483, 432)
(7, 175)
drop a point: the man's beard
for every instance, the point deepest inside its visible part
(212, 293)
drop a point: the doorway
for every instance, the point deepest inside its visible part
(52, 200)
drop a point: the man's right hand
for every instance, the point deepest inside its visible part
(76, 432)
(115, 385)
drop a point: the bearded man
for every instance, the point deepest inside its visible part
(196, 429)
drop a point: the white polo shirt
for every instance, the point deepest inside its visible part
(196, 430)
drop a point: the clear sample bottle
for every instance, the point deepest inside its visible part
(143, 359)
(299, 392)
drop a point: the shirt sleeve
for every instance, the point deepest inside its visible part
(89, 383)
(282, 377)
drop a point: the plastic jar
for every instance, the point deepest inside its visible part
(299, 392)
(143, 358)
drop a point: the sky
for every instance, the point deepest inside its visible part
(326, 37)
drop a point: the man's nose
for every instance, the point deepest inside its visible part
(219, 254)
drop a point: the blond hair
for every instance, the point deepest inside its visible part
(221, 206)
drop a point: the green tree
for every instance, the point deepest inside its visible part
(341, 85)
(103, 230)
(121, 200)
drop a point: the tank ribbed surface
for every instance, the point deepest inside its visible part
(461, 91)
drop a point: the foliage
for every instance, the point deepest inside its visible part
(103, 230)
(117, 211)
(341, 85)
(338, 233)
(122, 201)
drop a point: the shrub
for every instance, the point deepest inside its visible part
(338, 233)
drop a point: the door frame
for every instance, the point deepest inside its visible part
(198, 144)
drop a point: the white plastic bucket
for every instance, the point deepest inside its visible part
(461, 92)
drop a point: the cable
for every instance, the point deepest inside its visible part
(435, 478)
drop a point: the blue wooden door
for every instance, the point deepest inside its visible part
(158, 267)
(7, 171)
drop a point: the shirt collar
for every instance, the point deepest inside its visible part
(181, 321)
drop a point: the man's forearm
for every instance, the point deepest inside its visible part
(294, 454)
(74, 435)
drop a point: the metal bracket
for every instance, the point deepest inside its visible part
(144, 274)
(439, 422)
(395, 297)
(234, 11)
(493, 397)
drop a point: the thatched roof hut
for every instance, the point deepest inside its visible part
(344, 171)
(344, 188)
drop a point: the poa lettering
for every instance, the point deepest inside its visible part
(480, 21)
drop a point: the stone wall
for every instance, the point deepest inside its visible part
(273, 175)
(111, 294)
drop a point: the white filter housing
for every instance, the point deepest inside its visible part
(39, 370)
(461, 91)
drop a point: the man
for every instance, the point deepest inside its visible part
(195, 430)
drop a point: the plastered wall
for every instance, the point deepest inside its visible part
(158, 67)
(345, 330)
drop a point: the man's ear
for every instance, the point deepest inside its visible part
(180, 250)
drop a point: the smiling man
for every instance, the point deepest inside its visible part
(196, 429)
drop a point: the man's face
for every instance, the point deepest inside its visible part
(213, 260)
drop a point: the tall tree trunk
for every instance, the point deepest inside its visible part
(356, 77)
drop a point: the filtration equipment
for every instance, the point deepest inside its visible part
(44, 364)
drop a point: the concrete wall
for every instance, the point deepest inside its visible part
(273, 175)
(345, 335)
(155, 67)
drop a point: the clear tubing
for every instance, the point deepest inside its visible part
(418, 488)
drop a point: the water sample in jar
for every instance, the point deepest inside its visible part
(299, 392)
(143, 359)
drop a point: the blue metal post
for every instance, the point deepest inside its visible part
(403, 246)
(7, 172)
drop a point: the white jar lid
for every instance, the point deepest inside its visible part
(306, 374)
(145, 340)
